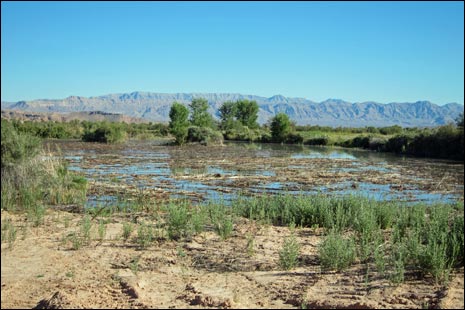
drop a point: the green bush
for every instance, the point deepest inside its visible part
(204, 135)
(105, 133)
(317, 141)
(337, 252)
(17, 147)
(221, 219)
(31, 182)
(242, 133)
(294, 138)
(178, 221)
(289, 254)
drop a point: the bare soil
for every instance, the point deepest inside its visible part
(41, 270)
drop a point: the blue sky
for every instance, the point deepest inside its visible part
(356, 51)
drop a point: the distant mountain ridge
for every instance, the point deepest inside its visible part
(332, 112)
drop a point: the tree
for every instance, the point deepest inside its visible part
(228, 113)
(179, 122)
(247, 113)
(280, 127)
(200, 116)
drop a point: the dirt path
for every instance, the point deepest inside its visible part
(41, 270)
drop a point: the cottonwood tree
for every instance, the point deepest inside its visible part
(247, 113)
(179, 122)
(280, 127)
(200, 116)
(244, 112)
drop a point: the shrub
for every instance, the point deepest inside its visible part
(30, 181)
(204, 135)
(223, 222)
(17, 147)
(105, 133)
(178, 221)
(317, 141)
(398, 144)
(360, 141)
(337, 252)
(145, 235)
(127, 230)
(294, 138)
(242, 133)
(289, 254)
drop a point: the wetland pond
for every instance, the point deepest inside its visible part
(203, 173)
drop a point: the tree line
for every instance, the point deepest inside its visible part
(237, 121)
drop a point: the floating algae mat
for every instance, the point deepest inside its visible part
(203, 173)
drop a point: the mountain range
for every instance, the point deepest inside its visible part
(155, 107)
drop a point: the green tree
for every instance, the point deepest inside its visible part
(179, 122)
(247, 113)
(200, 116)
(228, 113)
(280, 127)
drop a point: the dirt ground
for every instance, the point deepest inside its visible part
(41, 270)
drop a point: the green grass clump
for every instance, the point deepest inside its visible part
(8, 232)
(222, 219)
(127, 230)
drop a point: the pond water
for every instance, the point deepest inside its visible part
(220, 172)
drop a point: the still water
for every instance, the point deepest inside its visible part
(220, 172)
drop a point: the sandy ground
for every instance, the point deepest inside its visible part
(41, 270)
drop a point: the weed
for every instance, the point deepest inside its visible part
(289, 254)
(337, 252)
(66, 221)
(134, 264)
(250, 245)
(222, 222)
(36, 215)
(127, 230)
(380, 260)
(397, 263)
(86, 226)
(198, 219)
(101, 229)
(180, 252)
(144, 235)
(178, 221)
(76, 241)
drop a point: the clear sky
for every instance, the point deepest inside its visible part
(356, 51)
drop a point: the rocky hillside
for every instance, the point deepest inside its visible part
(67, 117)
(332, 112)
